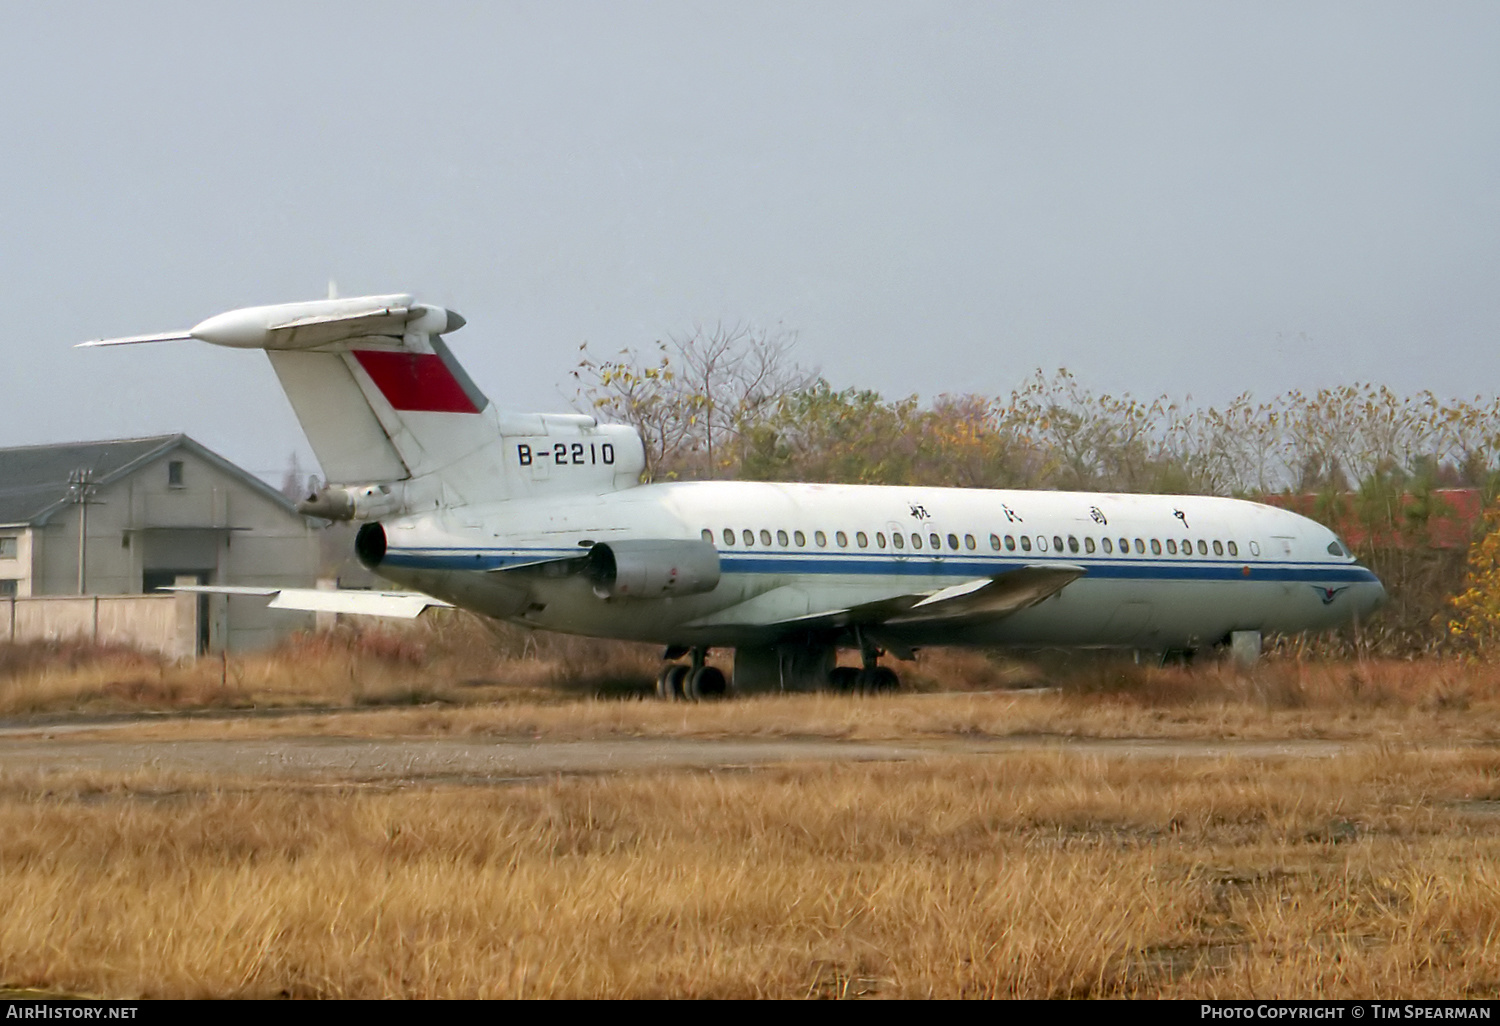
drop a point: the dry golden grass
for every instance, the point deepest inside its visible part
(1038, 875)
(465, 677)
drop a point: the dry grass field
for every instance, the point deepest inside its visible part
(1030, 873)
(1037, 875)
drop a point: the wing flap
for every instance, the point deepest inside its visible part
(397, 604)
(978, 598)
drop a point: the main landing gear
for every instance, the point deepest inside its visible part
(695, 682)
(784, 667)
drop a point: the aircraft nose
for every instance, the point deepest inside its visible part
(1371, 597)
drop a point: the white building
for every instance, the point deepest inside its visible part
(131, 515)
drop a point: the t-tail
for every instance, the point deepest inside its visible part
(397, 424)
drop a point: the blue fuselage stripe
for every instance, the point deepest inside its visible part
(852, 564)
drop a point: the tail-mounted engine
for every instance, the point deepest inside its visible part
(652, 569)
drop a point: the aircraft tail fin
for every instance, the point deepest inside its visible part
(396, 422)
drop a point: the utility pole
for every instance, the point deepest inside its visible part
(81, 493)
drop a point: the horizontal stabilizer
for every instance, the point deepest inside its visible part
(402, 604)
(135, 340)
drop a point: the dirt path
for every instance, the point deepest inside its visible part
(434, 759)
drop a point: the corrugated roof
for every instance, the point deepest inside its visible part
(34, 478)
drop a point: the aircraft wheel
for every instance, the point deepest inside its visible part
(706, 683)
(843, 679)
(670, 681)
(881, 678)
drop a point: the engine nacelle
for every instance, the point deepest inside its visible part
(653, 569)
(353, 502)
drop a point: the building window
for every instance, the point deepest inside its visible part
(9, 546)
(7, 588)
(174, 474)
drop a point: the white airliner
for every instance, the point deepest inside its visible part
(541, 519)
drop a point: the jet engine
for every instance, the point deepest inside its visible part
(652, 569)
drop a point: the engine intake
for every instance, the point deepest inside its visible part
(653, 569)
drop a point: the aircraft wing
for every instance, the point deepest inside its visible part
(978, 598)
(402, 604)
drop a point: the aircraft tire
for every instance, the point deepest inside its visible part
(878, 680)
(843, 679)
(670, 681)
(706, 684)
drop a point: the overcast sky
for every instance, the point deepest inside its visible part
(1186, 198)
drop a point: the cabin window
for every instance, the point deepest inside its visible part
(708, 536)
(1073, 544)
(1234, 550)
(1109, 546)
(898, 540)
(1255, 548)
(1171, 546)
(880, 539)
(799, 538)
(1057, 543)
(1187, 546)
(1088, 545)
(937, 543)
(916, 541)
(1041, 543)
(821, 539)
(1025, 543)
(953, 542)
(1010, 543)
(995, 542)
(749, 536)
(174, 474)
(765, 536)
(728, 536)
(841, 538)
(1140, 547)
(8, 547)
(1218, 548)
(782, 539)
(861, 539)
(1202, 547)
(1124, 546)
(1155, 547)
(969, 542)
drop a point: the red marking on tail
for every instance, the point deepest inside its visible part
(415, 381)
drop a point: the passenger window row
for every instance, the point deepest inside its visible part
(1009, 543)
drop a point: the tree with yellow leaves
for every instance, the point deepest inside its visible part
(1475, 623)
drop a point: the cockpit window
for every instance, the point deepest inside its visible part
(1338, 548)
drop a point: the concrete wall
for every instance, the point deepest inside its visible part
(163, 623)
